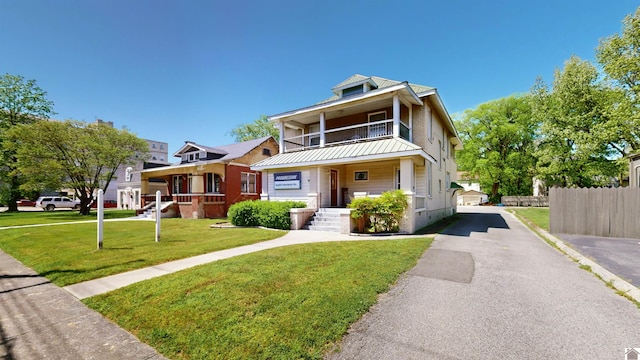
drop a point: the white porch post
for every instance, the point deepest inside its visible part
(396, 116)
(408, 223)
(281, 143)
(322, 128)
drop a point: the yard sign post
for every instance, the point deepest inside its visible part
(100, 219)
(158, 216)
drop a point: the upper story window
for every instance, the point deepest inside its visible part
(161, 146)
(353, 90)
(153, 145)
(193, 156)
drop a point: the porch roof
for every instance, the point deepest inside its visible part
(348, 153)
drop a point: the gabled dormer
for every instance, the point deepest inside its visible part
(191, 152)
(356, 84)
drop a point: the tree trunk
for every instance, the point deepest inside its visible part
(14, 194)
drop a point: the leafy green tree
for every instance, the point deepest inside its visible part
(619, 56)
(498, 149)
(578, 143)
(73, 155)
(257, 129)
(21, 102)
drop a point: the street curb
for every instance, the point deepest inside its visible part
(608, 277)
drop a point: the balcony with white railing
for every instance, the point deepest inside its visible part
(346, 135)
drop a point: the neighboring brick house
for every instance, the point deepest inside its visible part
(208, 180)
(372, 135)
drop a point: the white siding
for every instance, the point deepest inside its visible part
(381, 177)
(297, 194)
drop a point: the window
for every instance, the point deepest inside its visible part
(266, 152)
(361, 175)
(190, 184)
(353, 91)
(127, 174)
(440, 185)
(440, 154)
(161, 158)
(397, 179)
(447, 181)
(213, 182)
(314, 140)
(377, 130)
(153, 145)
(248, 183)
(161, 146)
(177, 184)
(429, 179)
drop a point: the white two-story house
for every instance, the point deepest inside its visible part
(372, 135)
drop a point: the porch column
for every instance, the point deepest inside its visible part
(396, 116)
(322, 128)
(281, 142)
(406, 175)
(408, 224)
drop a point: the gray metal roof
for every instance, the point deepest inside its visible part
(361, 151)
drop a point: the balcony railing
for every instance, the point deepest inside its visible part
(345, 135)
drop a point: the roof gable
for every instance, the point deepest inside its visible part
(225, 152)
(376, 82)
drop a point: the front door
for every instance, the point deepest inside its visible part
(334, 188)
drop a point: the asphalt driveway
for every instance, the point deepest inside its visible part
(489, 288)
(620, 256)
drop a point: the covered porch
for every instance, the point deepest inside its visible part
(196, 191)
(376, 115)
(333, 177)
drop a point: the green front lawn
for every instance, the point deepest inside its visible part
(67, 254)
(538, 216)
(49, 217)
(286, 303)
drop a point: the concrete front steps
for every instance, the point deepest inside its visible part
(325, 219)
(150, 210)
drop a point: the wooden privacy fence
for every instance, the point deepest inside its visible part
(609, 212)
(537, 201)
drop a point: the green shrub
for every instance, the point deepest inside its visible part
(270, 214)
(382, 214)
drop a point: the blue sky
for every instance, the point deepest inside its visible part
(172, 70)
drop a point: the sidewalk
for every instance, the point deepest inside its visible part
(39, 320)
(91, 288)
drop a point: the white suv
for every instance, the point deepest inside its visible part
(49, 203)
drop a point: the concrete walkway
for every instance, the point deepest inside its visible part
(99, 286)
(489, 288)
(39, 320)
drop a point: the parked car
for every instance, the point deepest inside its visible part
(25, 202)
(50, 203)
(107, 204)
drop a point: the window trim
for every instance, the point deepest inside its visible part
(248, 183)
(364, 176)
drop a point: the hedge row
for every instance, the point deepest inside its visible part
(271, 214)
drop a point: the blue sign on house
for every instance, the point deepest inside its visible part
(287, 180)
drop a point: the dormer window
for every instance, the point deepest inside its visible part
(353, 90)
(356, 87)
